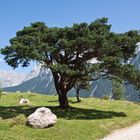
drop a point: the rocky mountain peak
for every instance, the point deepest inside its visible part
(10, 78)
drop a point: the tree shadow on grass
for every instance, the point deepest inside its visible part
(54, 101)
(75, 113)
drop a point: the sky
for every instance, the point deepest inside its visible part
(124, 15)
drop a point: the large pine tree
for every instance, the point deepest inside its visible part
(67, 52)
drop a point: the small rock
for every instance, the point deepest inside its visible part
(4, 93)
(24, 102)
(42, 118)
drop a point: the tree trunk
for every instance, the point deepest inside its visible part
(62, 89)
(63, 101)
(77, 95)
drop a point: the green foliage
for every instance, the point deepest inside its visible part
(81, 84)
(105, 97)
(118, 88)
(59, 46)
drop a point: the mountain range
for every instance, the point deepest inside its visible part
(10, 78)
(40, 80)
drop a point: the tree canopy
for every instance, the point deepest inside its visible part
(68, 52)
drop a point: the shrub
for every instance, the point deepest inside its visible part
(19, 120)
(105, 97)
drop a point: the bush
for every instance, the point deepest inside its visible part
(19, 120)
(105, 97)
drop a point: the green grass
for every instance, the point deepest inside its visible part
(90, 119)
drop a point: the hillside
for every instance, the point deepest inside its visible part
(90, 119)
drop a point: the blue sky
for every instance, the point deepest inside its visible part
(124, 15)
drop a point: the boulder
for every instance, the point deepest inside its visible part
(4, 93)
(42, 118)
(24, 102)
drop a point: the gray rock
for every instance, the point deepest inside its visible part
(24, 102)
(4, 93)
(42, 118)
